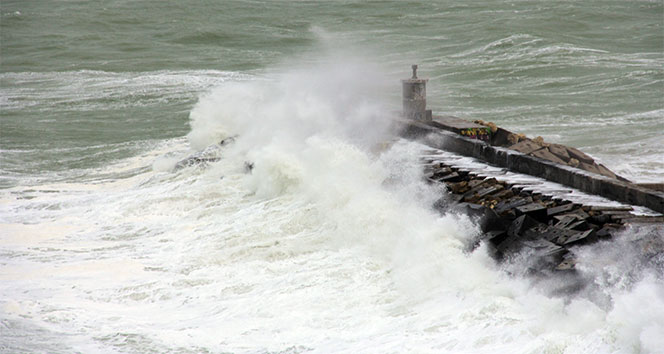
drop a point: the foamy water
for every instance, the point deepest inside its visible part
(329, 244)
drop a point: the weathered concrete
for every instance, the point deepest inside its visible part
(654, 186)
(526, 146)
(588, 182)
(414, 93)
(462, 127)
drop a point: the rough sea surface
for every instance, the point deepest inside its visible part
(330, 243)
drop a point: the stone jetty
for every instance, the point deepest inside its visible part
(528, 195)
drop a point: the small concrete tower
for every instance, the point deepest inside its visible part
(415, 98)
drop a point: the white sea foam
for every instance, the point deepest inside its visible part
(91, 90)
(329, 245)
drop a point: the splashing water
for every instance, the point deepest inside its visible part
(329, 244)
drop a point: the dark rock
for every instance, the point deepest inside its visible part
(583, 236)
(500, 137)
(520, 224)
(568, 263)
(510, 204)
(458, 187)
(509, 244)
(491, 239)
(228, 140)
(543, 256)
(578, 214)
(193, 161)
(494, 235)
(544, 247)
(474, 183)
(535, 210)
(441, 172)
(471, 195)
(452, 177)
(487, 219)
(617, 216)
(600, 218)
(489, 190)
(578, 225)
(248, 166)
(560, 209)
(606, 231)
(505, 193)
(552, 233)
(565, 221)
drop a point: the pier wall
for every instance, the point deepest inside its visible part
(502, 157)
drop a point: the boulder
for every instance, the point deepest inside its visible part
(512, 139)
(573, 162)
(579, 155)
(502, 137)
(547, 155)
(591, 167)
(526, 146)
(560, 151)
(540, 141)
(605, 171)
(521, 224)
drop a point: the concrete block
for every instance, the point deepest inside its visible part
(565, 221)
(510, 204)
(543, 247)
(452, 177)
(526, 146)
(560, 209)
(605, 171)
(535, 210)
(521, 224)
(590, 167)
(547, 155)
(568, 263)
(579, 237)
(609, 188)
(579, 155)
(500, 137)
(560, 151)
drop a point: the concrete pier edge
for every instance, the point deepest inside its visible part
(584, 181)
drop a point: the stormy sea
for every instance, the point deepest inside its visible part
(303, 223)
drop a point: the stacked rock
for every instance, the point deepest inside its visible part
(513, 219)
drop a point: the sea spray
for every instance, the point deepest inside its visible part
(355, 192)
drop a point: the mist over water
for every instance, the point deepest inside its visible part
(329, 243)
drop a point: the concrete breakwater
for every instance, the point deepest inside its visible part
(500, 147)
(545, 220)
(571, 201)
(586, 181)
